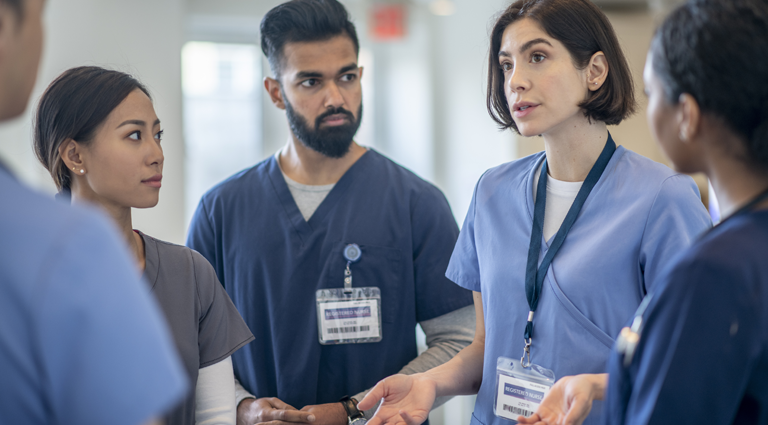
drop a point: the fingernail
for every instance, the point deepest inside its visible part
(311, 418)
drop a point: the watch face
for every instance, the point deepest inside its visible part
(358, 421)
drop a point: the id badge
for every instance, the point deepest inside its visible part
(520, 390)
(348, 317)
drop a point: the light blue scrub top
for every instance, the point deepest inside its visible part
(82, 341)
(638, 217)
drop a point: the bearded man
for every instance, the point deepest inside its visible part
(331, 252)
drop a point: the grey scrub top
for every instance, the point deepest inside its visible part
(206, 326)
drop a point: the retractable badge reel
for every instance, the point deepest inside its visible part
(349, 315)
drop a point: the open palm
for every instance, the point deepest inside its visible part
(407, 400)
(568, 402)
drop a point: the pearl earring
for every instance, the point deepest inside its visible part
(682, 135)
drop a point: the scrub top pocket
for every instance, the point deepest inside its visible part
(380, 267)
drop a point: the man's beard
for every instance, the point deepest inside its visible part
(333, 142)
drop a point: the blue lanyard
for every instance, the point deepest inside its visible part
(534, 278)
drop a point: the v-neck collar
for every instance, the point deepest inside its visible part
(305, 228)
(151, 260)
(531, 175)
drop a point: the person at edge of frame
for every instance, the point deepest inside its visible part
(559, 247)
(82, 341)
(697, 351)
(286, 234)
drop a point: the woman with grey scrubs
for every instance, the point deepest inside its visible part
(97, 133)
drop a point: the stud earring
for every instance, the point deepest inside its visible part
(682, 136)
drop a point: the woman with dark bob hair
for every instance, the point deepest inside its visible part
(559, 247)
(697, 350)
(97, 133)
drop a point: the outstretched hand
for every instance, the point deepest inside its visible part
(407, 400)
(569, 401)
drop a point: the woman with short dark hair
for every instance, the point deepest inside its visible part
(559, 247)
(97, 133)
(697, 350)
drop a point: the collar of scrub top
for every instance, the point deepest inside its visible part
(534, 276)
(4, 168)
(746, 208)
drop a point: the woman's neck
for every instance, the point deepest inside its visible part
(573, 150)
(122, 217)
(735, 184)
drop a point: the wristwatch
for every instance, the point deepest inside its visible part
(354, 415)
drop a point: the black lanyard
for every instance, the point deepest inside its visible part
(534, 278)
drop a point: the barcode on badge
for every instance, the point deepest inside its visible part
(349, 329)
(517, 410)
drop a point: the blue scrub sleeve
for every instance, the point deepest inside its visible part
(106, 352)
(700, 336)
(434, 235)
(676, 219)
(464, 267)
(202, 238)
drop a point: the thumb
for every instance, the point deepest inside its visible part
(372, 398)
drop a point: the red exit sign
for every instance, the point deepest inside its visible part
(388, 22)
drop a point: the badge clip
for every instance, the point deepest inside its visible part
(352, 253)
(526, 353)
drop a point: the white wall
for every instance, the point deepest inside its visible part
(467, 141)
(142, 37)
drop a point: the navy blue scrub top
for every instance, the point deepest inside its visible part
(271, 261)
(703, 350)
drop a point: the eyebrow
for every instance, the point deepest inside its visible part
(140, 123)
(315, 74)
(527, 46)
(350, 67)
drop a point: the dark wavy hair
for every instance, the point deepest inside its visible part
(303, 20)
(584, 30)
(717, 52)
(75, 106)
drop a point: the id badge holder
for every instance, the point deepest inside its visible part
(349, 315)
(520, 390)
(349, 318)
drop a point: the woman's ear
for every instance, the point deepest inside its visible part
(597, 71)
(70, 154)
(688, 118)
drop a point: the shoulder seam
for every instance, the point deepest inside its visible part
(648, 217)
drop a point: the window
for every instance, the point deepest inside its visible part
(222, 116)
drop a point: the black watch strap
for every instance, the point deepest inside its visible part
(350, 406)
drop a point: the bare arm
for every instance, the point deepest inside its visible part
(446, 336)
(463, 374)
(410, 398)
